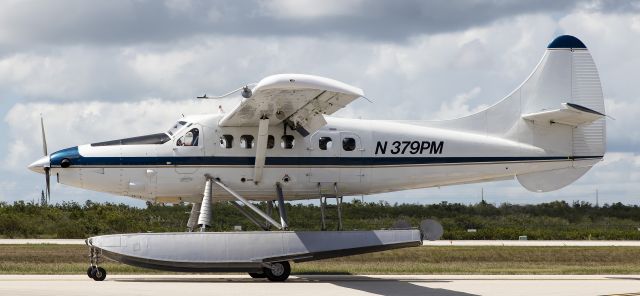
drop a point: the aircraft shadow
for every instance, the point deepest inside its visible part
(369, 284)
(385, 286)
(623, 278)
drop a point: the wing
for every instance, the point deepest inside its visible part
(297, 99)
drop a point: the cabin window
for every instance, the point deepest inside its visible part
(325, 143)
(226, 141)
(288, 141)
(190, 138)
(349, 144)
(271, 141)
(246, 141)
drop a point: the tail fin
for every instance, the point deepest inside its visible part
(566, 75)
(559, 108)
(563, 112)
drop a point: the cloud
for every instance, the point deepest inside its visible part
(6, 189)
(305, 10)
(28, 23)
(114, 69)
(75, 123)
(459, 107)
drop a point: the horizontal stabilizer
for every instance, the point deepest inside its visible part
(569, 114)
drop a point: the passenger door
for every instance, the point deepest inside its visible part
(351, 150)
(323, 155)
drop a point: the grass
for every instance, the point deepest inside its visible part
(73, 259)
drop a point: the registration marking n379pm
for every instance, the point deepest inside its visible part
(410, 147)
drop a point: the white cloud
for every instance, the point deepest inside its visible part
(310, 9)
(70, 124)
(7, 189)
(459, 106)
(179, 5)
(91, 93)
(18, 151)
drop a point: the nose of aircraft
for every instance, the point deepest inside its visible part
(39, 165)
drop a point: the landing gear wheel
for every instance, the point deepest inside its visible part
(279, 271)
(98, 274)
(91, 268)
(257, 275)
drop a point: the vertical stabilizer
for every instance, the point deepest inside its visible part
(559, 108)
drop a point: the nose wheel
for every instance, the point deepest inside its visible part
(94, 271)
(98, 274)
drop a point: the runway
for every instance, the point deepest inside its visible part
(514, 243)
(440, 285)
(535, 243)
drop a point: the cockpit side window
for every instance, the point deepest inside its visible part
(176, 127)
(226, 141)
(190, 138)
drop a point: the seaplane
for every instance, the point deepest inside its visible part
(281, 143)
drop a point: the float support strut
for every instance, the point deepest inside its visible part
(193, 217)
(248, 215)
(248, 204)
(281, 208)
(323, 203)
(267, 225)
(204, 219)
(339, 205)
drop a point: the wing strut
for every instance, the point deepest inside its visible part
(261, 149)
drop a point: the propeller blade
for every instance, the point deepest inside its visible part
(44, 138)
(47, 177)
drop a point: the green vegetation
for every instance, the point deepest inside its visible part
(72, 259)
(555, 220)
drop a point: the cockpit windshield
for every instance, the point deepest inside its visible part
(176, 128)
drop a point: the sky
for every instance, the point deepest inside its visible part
(112, 69)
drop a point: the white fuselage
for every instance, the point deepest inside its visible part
(547, 133)
(361, 157)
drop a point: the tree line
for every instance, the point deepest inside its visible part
(554, 220)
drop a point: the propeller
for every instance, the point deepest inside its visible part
(47, 174)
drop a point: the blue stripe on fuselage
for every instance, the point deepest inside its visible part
(77, 159)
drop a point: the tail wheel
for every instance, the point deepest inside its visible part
(278, 272)
(98, 274)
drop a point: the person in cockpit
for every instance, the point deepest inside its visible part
(190, 138)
